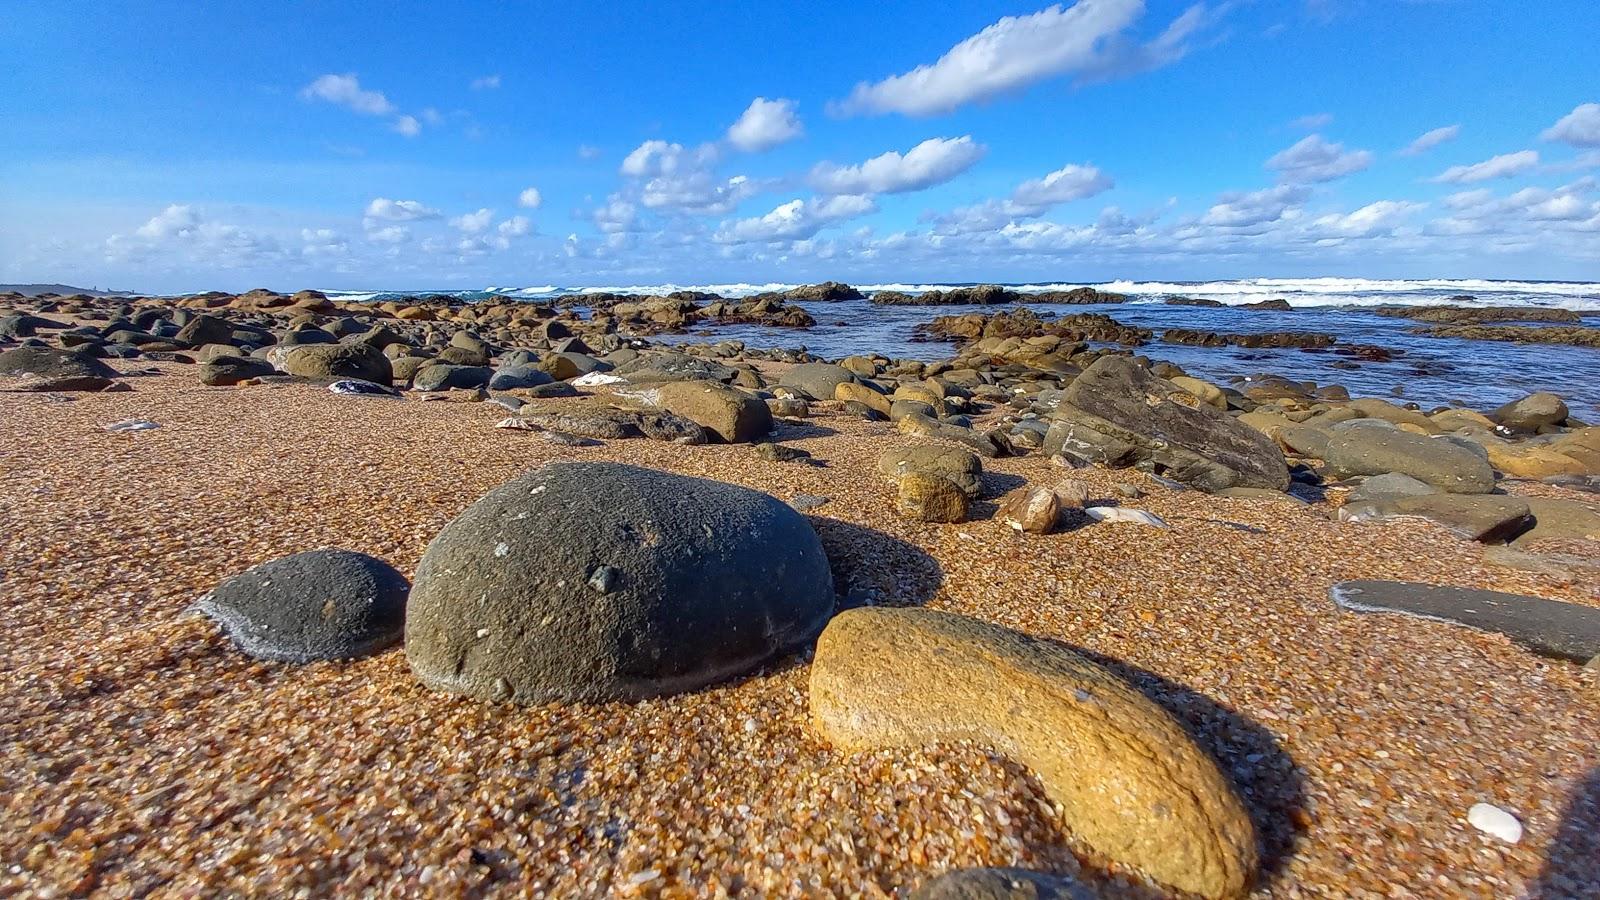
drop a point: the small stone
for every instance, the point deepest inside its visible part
(781, 452)
(604, 579)
(1494, 821)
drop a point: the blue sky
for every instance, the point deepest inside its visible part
(171, 147)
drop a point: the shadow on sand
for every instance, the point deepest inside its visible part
(1572, 861)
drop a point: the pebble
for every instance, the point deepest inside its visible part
(1493, 820)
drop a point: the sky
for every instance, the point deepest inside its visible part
(169, 147)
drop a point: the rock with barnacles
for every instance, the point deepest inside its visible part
(315, 605)
(1129, 780)
(593, 581)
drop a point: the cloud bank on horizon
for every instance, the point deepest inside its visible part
(1083, 141)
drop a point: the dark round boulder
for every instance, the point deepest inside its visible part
(511, 377)
(44, 362)
(601, 581)
(444, 377)
(319, 604)
(227, 370)
(339, 361)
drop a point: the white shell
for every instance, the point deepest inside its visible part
(1495, 821)
(1125, 514)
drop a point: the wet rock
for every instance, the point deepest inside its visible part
(1129, 780)
(710, 580)
(315, 605)
(1548, 627)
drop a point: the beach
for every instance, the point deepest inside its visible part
(144, 753)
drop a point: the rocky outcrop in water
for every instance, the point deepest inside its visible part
(994, 295)
(1280, 339)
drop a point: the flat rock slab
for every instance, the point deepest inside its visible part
(1547, 627)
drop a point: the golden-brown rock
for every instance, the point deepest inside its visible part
(931, 498)
(1131, 783)
(849, 390)
(1034, 510)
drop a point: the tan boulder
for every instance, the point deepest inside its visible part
(1530, 460)
(931, 498)
(849, 390)
(726, 412)
(1204, 390)
(1131, 783)
(1373, 408)
(1456, 419)
(1560, 520)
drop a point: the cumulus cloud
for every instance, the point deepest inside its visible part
(388, 234)
(486, 83)
(796, 220)
(530, 198)
(1580, 128)
(1252, 208)
(516, 226)
(174, 221)
(1371, 220)
(474, 222)
(699, 192)
(931, 162)
(181, 232)
(616, 216)
(408, 126)
(1431, 139)
(1505, 165)
(1064, 185)
(653, 158)
(323, 242)
(765, 124)
(346, 91)
(1086, 38)
(1313, 159)
(384, 209)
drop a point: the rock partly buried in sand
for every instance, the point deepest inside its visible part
(928, 497)
(600, 581)
(315, 605)
(1377, 450)
(339, 361)
(729, 413)
(1002, 884)
(960, 467)
(1548, 627)
(60, 369)
(230, 370)
(1487, 518)
(1131, 783)
(1119, 414)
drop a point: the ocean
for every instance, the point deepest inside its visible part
(1427, 370)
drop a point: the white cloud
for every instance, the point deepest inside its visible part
(1580, 128)
(516, 226)
(408, 126)
(795, 220)
(1017, 51)
(345, 90)
(617, 216)
(1431, 139)
(384, 209)
(486, 83)
(1371, 220)
(765, 124)
(931, 162)
(323, 242)
(1313, 121)
(1313, 159)
(699, 192)
(530, 198)
(1245, 210)
(653, 158)
(391, 234)
(473, 223)
(589, 152)
(174, 221)
(1503, 166)
(1064, 185)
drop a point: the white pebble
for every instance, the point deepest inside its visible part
(1495, 821)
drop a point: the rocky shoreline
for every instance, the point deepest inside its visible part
(1040, 613)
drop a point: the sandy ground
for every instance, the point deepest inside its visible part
(140, 753)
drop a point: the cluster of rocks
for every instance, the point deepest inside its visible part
(995, 295)
(1027, 324)
(1276, 339)
(1486, 323)
(599, 582)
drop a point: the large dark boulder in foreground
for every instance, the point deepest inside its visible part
(339, 361)
(1120, 414)
(600, 581)
(319, 604)
(1548, 627)
(59, 369)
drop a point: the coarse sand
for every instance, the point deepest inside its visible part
(142, 754)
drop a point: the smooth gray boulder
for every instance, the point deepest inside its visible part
(1567, 631)
(511, 377)
(652, 367)
(315, 605)
(601, 581)
(444, 377)
(1532, 412)
(1445, 464)
(818, 381)
(1390, 486)
(339, 361)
